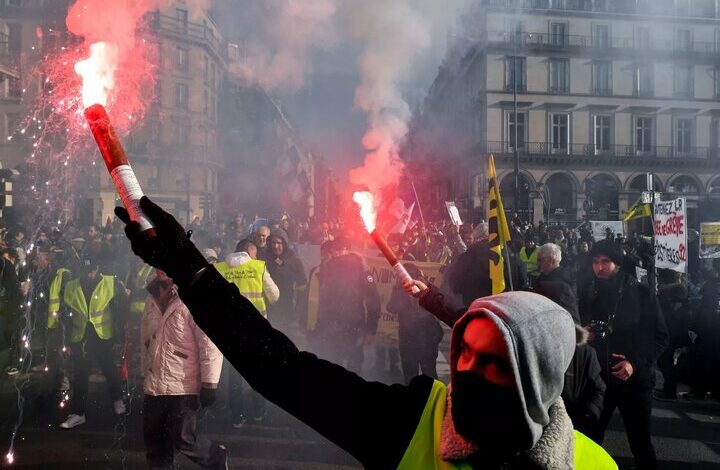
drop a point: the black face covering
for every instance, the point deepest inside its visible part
(488, 414)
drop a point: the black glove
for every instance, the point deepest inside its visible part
(170, 250)
(207, 396)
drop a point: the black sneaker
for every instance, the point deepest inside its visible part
(239, 422)
(12, 370)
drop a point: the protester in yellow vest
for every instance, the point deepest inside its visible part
(54, 300)
(509, 355)
(138, 284)
(94, 304)
(529, 256)
(248, 273)
(254, 282)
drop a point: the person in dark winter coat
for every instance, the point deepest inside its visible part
(469, 275)
(554, 281)
(348, 308)
(10, 311)
(508, 357)
(628, 333)
(674, 304)
(419, 332)
(287, 271)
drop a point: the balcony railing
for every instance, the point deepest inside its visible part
(195, 31)
(543, 149)
(554, 41)
(509, 87)
(644, 7)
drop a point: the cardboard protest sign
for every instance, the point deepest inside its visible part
(454, 213)
(670, 234)
(710, 240)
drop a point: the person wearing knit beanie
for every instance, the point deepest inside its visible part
(610, 249)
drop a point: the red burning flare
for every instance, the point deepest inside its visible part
(366, 201)
(98, 73)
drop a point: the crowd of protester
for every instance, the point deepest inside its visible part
(633, 324)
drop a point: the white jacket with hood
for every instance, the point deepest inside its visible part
(177, 357)
(270, 289)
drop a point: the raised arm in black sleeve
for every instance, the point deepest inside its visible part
(442, 305)
(374, 422)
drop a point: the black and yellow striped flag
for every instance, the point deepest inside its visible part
(639, 209)
(498, 230)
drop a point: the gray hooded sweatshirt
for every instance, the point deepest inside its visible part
(540, 336)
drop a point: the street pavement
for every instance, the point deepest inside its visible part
(686, 435)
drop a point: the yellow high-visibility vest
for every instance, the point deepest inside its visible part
(531, 263)
(423, 453)
(97, 313)
(137, 304)
(54, 300)
(248, 277)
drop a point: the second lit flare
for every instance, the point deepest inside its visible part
(366, 201)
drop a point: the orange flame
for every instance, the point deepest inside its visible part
(366, 201)
(98, 73)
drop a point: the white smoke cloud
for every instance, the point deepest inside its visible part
(279, 59)
(393, 35)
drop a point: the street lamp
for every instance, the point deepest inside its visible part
(516, 38)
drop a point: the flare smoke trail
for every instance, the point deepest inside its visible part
(393, 35)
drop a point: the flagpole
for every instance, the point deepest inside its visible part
(422, 219)
(507, 263)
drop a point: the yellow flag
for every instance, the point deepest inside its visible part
(498, 230)
(638, 210)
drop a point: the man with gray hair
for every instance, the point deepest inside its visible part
(554, 281)
(549, 258)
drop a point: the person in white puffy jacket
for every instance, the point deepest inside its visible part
(181, 369)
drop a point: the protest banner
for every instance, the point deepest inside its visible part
(670, 234)
(384, 276)
(599, 228)
(710, 240)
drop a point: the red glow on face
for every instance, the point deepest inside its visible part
(98, 73)
(366, 201)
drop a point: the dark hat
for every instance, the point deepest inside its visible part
(89, 262)
(529, 236)
(608, 248)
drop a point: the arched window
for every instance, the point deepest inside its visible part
(683, 185)
(560, 190)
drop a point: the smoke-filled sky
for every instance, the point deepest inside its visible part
(315, 54)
